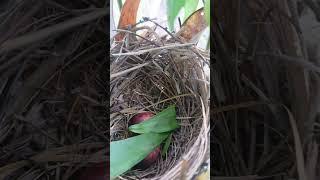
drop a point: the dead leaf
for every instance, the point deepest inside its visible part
(298, 146)
(128, 16)
(193, 26)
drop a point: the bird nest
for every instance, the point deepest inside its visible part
(149, 75)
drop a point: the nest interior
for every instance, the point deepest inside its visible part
(153, 80)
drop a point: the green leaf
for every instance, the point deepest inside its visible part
(119, 4)
(207, 11)
(124, 154)
(208, 43)
(189, 7)
(164, 121)
(173, 8)
(166, 145)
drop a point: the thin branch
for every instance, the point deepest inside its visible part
(127, 70)
(171, 46)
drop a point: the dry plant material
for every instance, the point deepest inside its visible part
(253, 133)
(34, 37)
(52, 115)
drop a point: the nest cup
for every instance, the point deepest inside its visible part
(150, 75)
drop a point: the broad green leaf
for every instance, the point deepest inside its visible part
(164, 121)
(173, 8)
(124, 154)
(189, 7)
(166, 145)
(207, 11)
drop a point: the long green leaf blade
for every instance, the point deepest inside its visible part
(164, 121)
(207, 11)
(173, 8)
(189, 7)
(166, 145)
(124, 154)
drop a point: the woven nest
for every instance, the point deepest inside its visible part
(150, 75)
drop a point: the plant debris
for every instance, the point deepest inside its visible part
(267, 92)
(52, 88)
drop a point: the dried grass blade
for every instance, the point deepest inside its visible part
(299, 61)
(36, 36)
(127, 70)
(171, 46)
(238, 106)
(298, 146)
